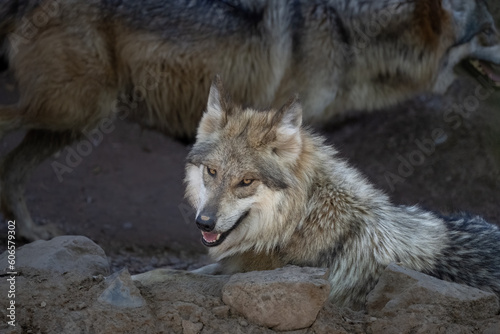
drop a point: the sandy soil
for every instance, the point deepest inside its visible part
(127, 194)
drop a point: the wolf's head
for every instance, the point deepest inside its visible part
(476, 37)
(396, 49)
(238, 169)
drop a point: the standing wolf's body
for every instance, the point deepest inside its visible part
(74, 60)
(269, 193)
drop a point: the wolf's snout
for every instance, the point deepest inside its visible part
(205, 222)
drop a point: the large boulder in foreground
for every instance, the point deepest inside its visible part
(283, 299)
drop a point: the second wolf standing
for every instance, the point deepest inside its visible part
(77, 63)
(270, 193)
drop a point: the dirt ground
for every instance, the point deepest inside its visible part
(127, 194)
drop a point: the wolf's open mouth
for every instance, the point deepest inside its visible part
(210, 239)
(487, 69)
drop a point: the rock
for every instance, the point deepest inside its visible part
(189, 327)
(242, 323)
(493, 328)
(400, 288)
(121, 291)
(178, 297)
(74, 255)
(406, 301)
(221, 311)
(334, 320)
(174, 285)
(283, 299)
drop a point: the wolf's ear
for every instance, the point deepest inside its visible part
(289, 118)
(214, 105)
(459, 9)
(216, 109)
(287, 122)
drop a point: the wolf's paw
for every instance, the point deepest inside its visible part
(211, 269)
(36, 232)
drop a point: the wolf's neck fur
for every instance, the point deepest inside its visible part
(346, 212)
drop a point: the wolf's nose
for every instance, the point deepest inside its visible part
(205, 222)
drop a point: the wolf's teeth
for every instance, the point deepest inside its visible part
(474, 62)
(218, 237)
(477, 65)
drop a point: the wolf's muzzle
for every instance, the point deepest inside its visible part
(205, 222)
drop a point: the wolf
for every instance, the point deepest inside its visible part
(268, 192)
(79, 63)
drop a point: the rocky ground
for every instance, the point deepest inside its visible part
(64, 286)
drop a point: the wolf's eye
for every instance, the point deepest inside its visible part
(246, 182)
(488, 32)
(487, 29)
(211, 171)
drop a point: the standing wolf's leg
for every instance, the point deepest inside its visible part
(10, 119)
(16, 168)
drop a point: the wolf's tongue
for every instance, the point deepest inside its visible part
(491, 70)
(210, 237)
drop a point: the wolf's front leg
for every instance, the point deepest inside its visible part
(210, 269)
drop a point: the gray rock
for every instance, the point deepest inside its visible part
(76, 255)
(283, 299)
(173, 285)
(189, 327)
(493, 328)
(221, 311)
(400, 288)
(121, 291)
(181, 300)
